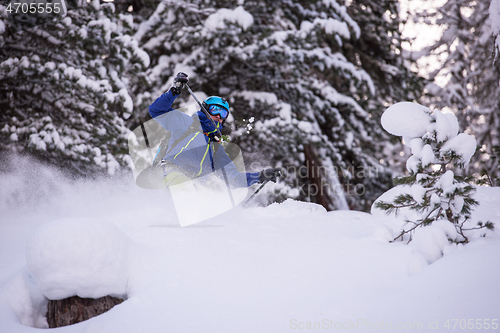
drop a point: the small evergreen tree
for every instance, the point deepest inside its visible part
(436, 192)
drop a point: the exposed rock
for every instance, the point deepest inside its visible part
(75, 309)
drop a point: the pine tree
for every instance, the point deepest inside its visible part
(298, 76)
(432, 189)
(470, 69)
(65, 88)
(494, 20)
(379, 52)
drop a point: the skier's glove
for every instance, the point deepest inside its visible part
(269, 175)
(179, 81)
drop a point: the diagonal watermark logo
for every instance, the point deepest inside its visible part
(203, 180)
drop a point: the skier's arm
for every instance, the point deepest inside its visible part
(161, 110)
(163, 104)
(170, 119)
(267, 175)
(252, 178)
(237, 178)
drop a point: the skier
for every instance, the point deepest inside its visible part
(194, 148)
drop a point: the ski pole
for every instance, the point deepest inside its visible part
(278, 174)
(206, 112)
(218, 139)
(227, 185)
(255, 193)
(147, 143)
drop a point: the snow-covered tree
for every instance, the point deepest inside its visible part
(378, 51)
(301, 75)
(432, 189)
(65, 87)
(469, 72)
(494, 19)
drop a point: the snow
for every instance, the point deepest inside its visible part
(342, 11)
(83, 257)
(418, 193)
(132, 43)
(67, 21)
(494, 20)
(25, 300)
(238, 15)
(112, 164)
(413, 121)
(50, 65)
(69, 72)
(416, 146)
(24, 62)
(463, 145)
(432, 242)
(83, 32)
(330, 94)
(306, 126)
(36, 141)
(427, 155)
(128, 19)
(128, 104)
(330, 26)
(261, 269)
(445, 182)
(446, 125)
(154, 19)
(406, 119)
(107, 26)
(253, 96)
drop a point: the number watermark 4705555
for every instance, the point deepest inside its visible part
(25, 14)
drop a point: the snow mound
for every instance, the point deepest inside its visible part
(82, 257)
(293, 208)
(25, 300)
(432, 241)
(260, 269)
(406, 119)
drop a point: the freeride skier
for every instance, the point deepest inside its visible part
(194, 150)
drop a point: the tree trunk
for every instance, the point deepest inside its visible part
(317, 174)
(75, 309)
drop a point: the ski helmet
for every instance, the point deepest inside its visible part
(216, 100)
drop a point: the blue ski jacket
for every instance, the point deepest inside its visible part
(196, 155)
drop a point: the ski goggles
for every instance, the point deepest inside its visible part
(218, 110)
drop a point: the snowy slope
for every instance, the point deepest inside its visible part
(285, 267)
